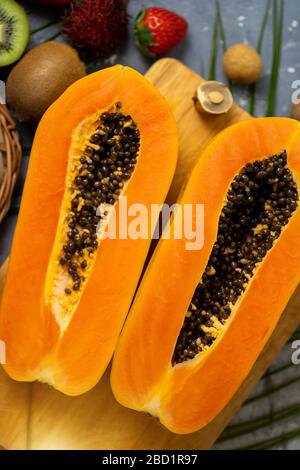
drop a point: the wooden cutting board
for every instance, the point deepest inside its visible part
(34, 416)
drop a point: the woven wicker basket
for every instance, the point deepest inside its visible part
(10, 159)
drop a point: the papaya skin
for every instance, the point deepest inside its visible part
(189, 395)
(74, 360)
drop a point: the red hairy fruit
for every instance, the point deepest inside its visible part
(96, 26)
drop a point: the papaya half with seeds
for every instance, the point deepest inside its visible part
(69, 288)
(201, 317)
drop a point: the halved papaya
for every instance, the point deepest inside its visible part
(201, 317)
(69, 288)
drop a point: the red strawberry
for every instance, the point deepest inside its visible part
(157, 30)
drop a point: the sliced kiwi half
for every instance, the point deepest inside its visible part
(14, 32)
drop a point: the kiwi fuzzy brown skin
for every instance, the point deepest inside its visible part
(40, 77)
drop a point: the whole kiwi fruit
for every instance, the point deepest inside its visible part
(40, 77)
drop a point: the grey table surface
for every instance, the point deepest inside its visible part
(242, 20)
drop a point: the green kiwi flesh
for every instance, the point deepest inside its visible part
(14, 32)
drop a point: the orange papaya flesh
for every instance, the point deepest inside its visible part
(201, 318)
(68, 289)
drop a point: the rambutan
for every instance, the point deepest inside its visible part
(96, 27)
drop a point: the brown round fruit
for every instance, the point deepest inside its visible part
(242, 64)
(295, 111)
(40, 77)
